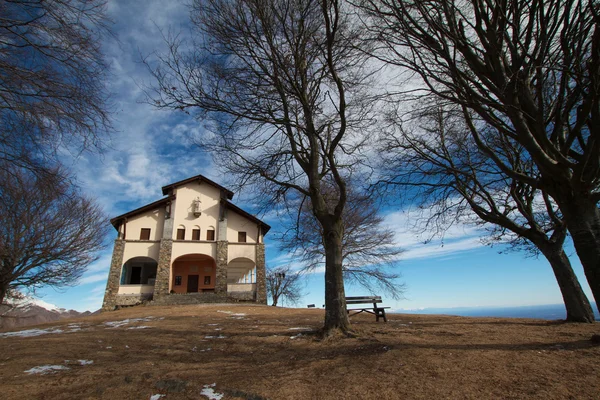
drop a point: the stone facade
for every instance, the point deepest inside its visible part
(261, 282)
(221, 261)
(114, 276)
(163, 270)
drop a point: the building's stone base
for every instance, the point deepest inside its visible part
(126, 300)
(203, 298)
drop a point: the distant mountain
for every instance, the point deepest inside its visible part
(549, 312)
(30, 311)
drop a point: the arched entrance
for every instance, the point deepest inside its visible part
(139, 271)
(241, 270)
(193, 273)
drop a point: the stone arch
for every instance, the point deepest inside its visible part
(139, 271)
(241, 270)
(193, 273)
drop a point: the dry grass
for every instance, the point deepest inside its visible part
(412, 356)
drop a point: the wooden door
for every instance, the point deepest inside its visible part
(192, 283)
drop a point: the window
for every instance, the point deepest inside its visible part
(242, 237)
(178, 281)
(207, 280)
(145, 234)
(210, 234)
(195, 234)
(181, 234)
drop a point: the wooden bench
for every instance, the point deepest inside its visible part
(374, 309)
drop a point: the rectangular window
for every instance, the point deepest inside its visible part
(180, 234)
(178, 281)
(242, 237)
(210, 234)
(145, 234)
(207, 280)
(195, 234)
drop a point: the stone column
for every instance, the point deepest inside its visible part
(261, 281)
(221, 273)
(163, 270)
(114, 276)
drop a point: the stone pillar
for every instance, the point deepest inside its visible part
(163, 270)
(114, 276)
(261, 281)
(221, 273)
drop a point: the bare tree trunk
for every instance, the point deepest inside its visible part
(2, 293)
(583, 222)
(576, 302)
(336, 316)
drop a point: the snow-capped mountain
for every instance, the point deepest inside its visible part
(31, 311)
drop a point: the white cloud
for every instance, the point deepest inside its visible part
(93, 278)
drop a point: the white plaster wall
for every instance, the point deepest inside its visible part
(141, 249)
(136, 289)
(182, 208)
(151, 219)
(237, 223)
(193, 247)
(236, 250)
(241, 287)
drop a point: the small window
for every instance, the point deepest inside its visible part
(210, 234)
(181, 234)
(242, 237)
(145, 234)
(195, 234)
(207, 280)
(178, 281)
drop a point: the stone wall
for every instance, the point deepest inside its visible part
(190, 298)
(221, 273)
(163, 270)
(132, 299)
(261, 281)
(114, 276)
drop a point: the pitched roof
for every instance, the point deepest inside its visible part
(166, 189)
(116, 220)
(231, 206)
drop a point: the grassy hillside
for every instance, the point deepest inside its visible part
(270, 353)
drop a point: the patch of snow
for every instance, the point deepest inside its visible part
(156, 396)
(139, 327)
(206, 349)
(126, 346)
(109, 347)
(45, 369)
(215, 337)
(238, 315)
(85, 362)
(225, 312)
(118, 324)
(212, 324)
(32, 332)
(210, 393)
(299, 329)
(218, 329)
(296, 337)
(194, 348)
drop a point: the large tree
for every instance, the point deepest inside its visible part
(448, 175)
(369, 247)
(525, 71)
(285, 92)
(49, 232)
(52, 79)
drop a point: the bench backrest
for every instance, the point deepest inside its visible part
(363, 299)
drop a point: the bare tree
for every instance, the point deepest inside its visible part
(52, 87)
(282, 282)
(446, 172)
(369, 249)
(286, 92)
(526, 71)
(49, 233)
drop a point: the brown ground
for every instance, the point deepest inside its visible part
(410, 357)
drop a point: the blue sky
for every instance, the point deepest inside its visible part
(151, 149)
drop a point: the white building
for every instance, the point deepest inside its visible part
(193, 246)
